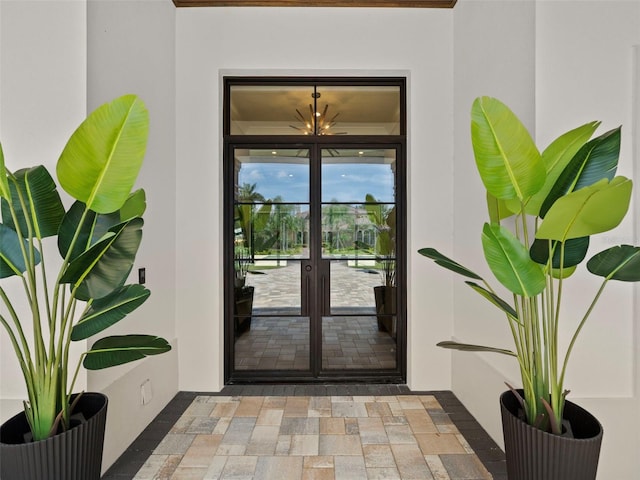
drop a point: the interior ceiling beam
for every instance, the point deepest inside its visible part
(317, 3)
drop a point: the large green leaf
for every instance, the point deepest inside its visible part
(109, 310)
(111, 351)
(575, 250)
(135, 206)
(4, 183)
(11, 259)
(100, 163)
(41, 197)
(590, 210)
(509, 261)
(596, 160)
(555, 159)
(93, 228)
(447, 263)
(495, 299)
(107, 264)
(617, 263)
(506, 156)
(468, 347)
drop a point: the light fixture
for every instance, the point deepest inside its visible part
(318, 122)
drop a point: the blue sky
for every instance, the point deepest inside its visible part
(342, 182)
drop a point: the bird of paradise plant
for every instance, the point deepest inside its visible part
(543, 208)
(97, 238)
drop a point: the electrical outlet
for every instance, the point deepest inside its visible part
(142, 275)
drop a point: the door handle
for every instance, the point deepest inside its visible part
(323, 292)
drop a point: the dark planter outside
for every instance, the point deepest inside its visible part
(385, 297)
(72, 455)
(242, 309)
(536, 455)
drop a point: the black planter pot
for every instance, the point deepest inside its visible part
(536, 455)
(385, 297)
(73, 455)
(242, 309)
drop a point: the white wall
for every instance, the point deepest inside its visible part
(583, 75)
(311, 41)
(494, 56)
(573, 63)
(131, 49)
(42, 101)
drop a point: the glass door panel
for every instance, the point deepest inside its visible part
(271, 239)
(358, 229)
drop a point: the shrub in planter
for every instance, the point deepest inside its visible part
(97, 238)
(543, 208)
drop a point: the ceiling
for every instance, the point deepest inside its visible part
(318, 3)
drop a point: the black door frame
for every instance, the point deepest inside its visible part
(314, 144)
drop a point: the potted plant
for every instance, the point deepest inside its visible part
(242, 293)
(60, 434)
(384, 220)
(542, 210)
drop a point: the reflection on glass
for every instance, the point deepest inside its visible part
(274, 343)
(355, 342)
(277, 283)
(267, 109)
(352, 286)
(270, 333)
(362, 109)
(362, 232)
(272, 175)
(350, 175)
(310, 110)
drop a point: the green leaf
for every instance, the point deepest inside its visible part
(374, 210)
(496, 300)
(11, 259)
(117, 350)
(107, 264)
(100, 163)
(4, 183)
(564, 273)
(500, 209)
(590, 210)
(107, 311)
(135, 206)
(575, 250)
(596, 160)
(447, 263)
(509, 261)
(617, 263)
(467, 347)
(41, 197)
(506, 156)
(93, 228)
(556, 157)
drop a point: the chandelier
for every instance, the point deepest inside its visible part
(318, 123)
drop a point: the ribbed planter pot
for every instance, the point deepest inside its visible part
(536, 455)
(73, 455)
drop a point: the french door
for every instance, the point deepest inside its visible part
(314, 246)
(314, 228)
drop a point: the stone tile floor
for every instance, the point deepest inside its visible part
(283, 343)
(313, 432)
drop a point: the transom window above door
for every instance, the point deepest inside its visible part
(315, 110)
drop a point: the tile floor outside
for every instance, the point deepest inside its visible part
(283, 343)
(285, 435)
